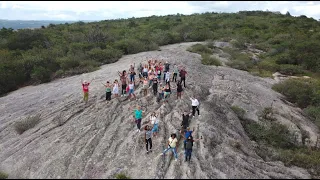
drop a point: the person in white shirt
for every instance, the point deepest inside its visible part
(154, 122)
(167, 78)
(195, 106)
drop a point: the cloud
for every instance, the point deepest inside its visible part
(101, 10)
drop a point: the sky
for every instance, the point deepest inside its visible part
(103, 10)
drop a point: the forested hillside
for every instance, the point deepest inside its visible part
(40, 55)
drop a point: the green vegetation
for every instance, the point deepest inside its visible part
(305, 93)
(205, 51)
(28, 123)
(239, 111)
(276, 143)
(209, 60)
(40, 55)
(3, 175)
(200, 49)
(122, 176)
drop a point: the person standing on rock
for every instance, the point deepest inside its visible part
(167, 77)
(155, 86)
(85, 88)
(185, 121)
(175, 73)
(140, 68)
(131, 90)
(108, 90)
(124, 79)
(183, 73)
(195, 106)
(132, 72)
(115, 89)
(145, 71)
(147, 137)
(155, 123)
(179, 89)
(166, 69)
(150, 76)
(145, 86)
(188, 147)
(138, 116)
(186, 135)
(167, 92)
(172, 145)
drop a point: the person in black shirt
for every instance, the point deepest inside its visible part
(179, 89)
(155, 86)
(185, 120)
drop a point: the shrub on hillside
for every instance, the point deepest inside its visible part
(314, 113)
(301, 157)
(108, 55)
(3, 175)
(27, 123)
(269, 64)
(199, 48)
(68, 62)
(237, 64)
(41, 74)
(290, 69)
(275, 134)
(301, 91)
(122, 176)
(239, 111)
(209, 60)
(130, 46)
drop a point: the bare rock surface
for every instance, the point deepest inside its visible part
(98, 140)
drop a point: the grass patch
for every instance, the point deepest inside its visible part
(207, 59)
(314, 113)
(276, 143)
(301, 157)
(27, 123)
(200, 49)
(239, 111)
(3, 175)
(256, 71)
(122, 176)
(304, 92)
(239, 60)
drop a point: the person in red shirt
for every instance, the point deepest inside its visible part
(85, 88)
(183, 73)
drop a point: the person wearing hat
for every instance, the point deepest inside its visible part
(85, 88)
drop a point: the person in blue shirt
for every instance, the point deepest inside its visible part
(186, 135)
(138, 116)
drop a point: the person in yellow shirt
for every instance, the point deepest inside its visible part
(172, 145)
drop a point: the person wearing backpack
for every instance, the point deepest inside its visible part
(188, 148)
(186, 135)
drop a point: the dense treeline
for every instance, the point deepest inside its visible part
(36, 56)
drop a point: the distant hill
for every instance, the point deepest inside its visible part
(29, 24)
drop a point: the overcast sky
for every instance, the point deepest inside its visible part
(101, 10)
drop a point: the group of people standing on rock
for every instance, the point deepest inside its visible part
(156, 75)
